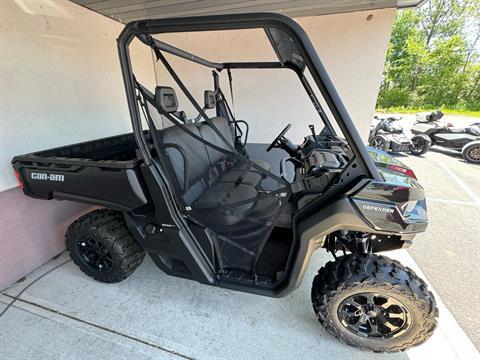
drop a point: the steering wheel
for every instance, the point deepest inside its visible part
(279, 137)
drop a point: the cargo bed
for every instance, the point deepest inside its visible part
(102, 172)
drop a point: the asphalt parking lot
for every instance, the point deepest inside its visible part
(449, 251)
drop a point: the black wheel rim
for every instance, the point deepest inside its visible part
(474, 153)
(374, 315)
(377, 143)
(417, 146)
(95, 254)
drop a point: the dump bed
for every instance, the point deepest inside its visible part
(101, 172)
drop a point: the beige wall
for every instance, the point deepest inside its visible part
(60, 83)
(353, 50)
(60, 78)
(352, 47)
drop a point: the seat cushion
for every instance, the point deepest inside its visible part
(211, 177)
(243, 165)
(454, 130)
(218, 208)
(262, 163)
(222, 194)
(251, 178)
(264, 208)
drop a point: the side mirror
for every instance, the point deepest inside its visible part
(209, 99)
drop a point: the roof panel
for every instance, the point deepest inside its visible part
(129, 10)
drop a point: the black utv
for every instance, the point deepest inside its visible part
(187, 192)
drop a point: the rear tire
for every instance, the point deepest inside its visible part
(102, 247)
(471, 152)
(395, 309)
(420, 145)
(380, 142)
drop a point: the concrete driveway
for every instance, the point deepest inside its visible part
(67, 315)
(449, 251)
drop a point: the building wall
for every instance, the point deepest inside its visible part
(60, 83)
(352, 47)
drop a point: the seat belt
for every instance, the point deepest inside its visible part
(230, 82)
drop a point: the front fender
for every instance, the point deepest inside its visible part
(373, 207)
(338, 215)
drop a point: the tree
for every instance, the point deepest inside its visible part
(433, 57)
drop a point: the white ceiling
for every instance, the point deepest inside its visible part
(129, 10)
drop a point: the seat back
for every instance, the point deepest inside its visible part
(193, 163)
(196, 157)
(201, 159)
(210, 135)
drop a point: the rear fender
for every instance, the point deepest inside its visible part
(424, 137)
(476, 142)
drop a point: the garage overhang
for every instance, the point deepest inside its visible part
(130, 10)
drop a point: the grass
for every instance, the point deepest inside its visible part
(402, 110)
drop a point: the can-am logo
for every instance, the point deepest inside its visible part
(378, 208)
(51, 177)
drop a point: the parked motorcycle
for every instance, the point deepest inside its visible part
(388, 135)
(465, 140)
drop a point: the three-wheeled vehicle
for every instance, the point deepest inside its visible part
(388, 135)
(465, 140)
(186, 192)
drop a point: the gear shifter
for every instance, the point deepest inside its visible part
(312, 129)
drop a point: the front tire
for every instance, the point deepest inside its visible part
(471, 152)
(374, 303)
(380, 142)
(102, 247)
(420, 145)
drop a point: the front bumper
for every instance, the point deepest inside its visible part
(392, 207)
(400, 147)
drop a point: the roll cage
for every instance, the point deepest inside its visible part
(294, 52)
(291, 45)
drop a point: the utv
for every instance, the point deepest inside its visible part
(186, 192)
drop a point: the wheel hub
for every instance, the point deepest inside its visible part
(474, 153)
(95, 254)
(374, 315)
(377, 144)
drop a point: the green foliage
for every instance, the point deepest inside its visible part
(433, 57)
(404, 110)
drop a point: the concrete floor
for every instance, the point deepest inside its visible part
(67, 315)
